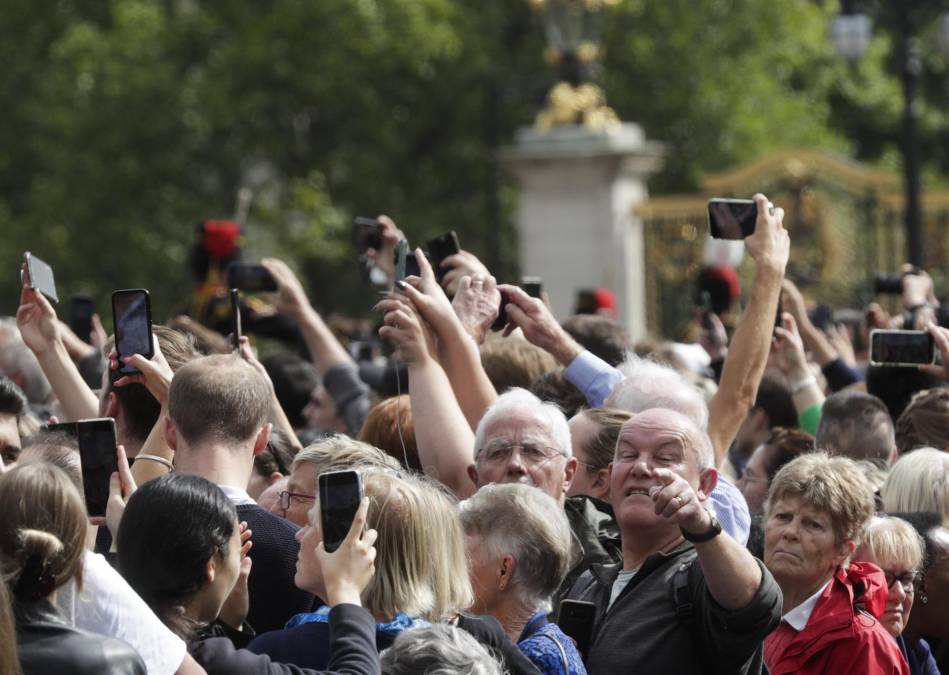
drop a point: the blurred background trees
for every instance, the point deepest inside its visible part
(127, 122)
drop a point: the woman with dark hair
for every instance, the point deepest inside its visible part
(42, 537)
(180, 546)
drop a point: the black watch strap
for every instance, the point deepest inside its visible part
(714, 529)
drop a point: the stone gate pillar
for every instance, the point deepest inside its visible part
(576, 223)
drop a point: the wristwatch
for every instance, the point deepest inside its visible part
(714, 529)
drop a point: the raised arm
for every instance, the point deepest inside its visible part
(337, 368)
(444, 438)
(769, 247)
(457, 349)
(40, 331)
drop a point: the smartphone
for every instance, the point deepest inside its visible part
(340, 495)
(909, 348)
(731, 218)
(132, 320)
(367, 234)
(440, 248)
(96, 438)
(576, 618)
(705, 299)
(405, 263)
(41, 277)
(250, 278)
(235, 318)
(81, 309)
(501, 321)
(533, 286)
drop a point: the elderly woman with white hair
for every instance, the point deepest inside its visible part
(519, 547)
(895, 547)
(918, 483)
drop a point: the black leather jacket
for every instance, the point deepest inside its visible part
(47, 644)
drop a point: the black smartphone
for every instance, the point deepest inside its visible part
(41, 277)
(440, 248)
(533, 286)
(501, 321)
(731, 218)
(909, 348)
(250, 278)
(340, 495)
(235, 318)
(576, 618)
(81, 309)
(367, 234)
(132, 321)
(96, 439)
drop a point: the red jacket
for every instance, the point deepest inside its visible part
(840, 638)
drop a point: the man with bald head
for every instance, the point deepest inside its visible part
(687, 598)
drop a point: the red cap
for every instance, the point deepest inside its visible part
(220, 238)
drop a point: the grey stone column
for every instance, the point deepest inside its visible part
(576, 220)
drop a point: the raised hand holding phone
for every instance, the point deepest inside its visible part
(348, 570)
(132, 320)
(153, 372)
(36, 318)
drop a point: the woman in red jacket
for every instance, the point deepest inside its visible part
(817, 509)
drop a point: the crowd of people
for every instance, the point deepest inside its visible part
(536, 497)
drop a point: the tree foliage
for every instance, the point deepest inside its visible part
(126, 122)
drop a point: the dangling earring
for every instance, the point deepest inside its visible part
(924, 599)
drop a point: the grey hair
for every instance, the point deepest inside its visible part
(17, 358)
(647, 384)
(524, 522)
(518, 399)
(439, 649)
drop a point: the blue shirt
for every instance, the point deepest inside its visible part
(549, 648)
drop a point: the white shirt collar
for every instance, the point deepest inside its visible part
(237, 495)
(798, 617)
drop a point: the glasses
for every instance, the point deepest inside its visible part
(907, 580)
(286, 498)
(531, 454)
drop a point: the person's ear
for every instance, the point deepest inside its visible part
(263, 437)
(473, 474)
(506, 567)
(171, 434)
(569, 471)
(210, 569)
(845, 551)
(707, 482)
(601, 484)
(274, 477)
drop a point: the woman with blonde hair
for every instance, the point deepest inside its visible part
(42, 538)
(421, 570)
(895, 547)
(918, 483)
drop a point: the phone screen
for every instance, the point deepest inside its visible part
(97, 455)
(132, 319)
(250, 278)
(576, 619)
(235, 318)
(901, 347)
(81, 309)
(367, 234)
(340, 494)
(731, 218)
(41, 277)
(440, 248)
